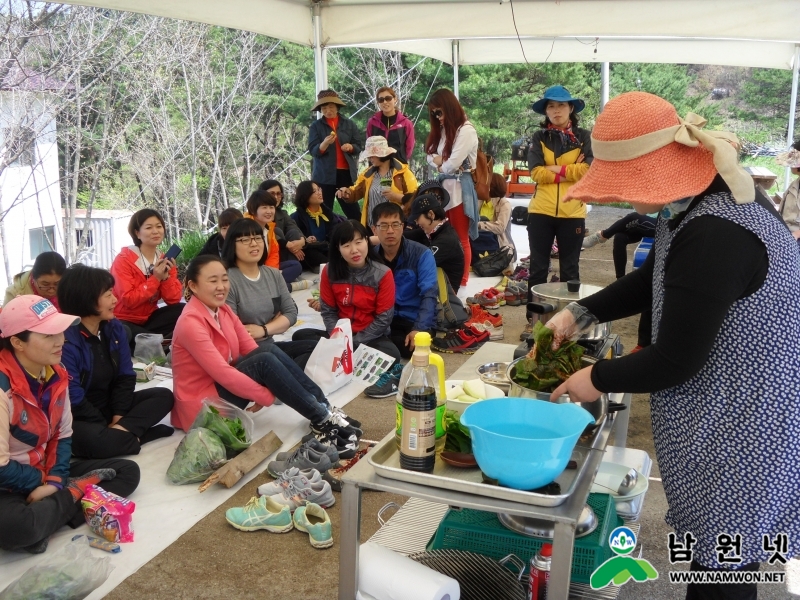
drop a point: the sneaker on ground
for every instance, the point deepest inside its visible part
(501, 287)
(261, 513)
(302, 458)
(592, 240)
(313, 520)
(462, 341)
(526, 333)
(480, 315)
(282, 482)
(295, 495)
(495, 333)
(387, 383)
(344, 443)
(317, 447)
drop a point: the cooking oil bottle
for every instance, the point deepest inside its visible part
(435, 369)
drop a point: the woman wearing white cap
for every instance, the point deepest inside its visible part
(387, 180)
(40, 490)
(723, 371)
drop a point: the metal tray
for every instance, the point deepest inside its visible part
(385, 458)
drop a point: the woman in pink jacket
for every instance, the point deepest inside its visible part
(213, 355)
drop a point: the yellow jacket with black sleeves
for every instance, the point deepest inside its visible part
(548, 148)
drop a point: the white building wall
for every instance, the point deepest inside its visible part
(30, 196)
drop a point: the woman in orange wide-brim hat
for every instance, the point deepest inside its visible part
(723, 371)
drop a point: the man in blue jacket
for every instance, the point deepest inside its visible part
(416, 288)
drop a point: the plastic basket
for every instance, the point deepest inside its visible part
(482, 532)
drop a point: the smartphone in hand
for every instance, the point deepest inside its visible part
(173, 252)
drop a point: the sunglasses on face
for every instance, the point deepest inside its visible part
(437, 113)
(383, 99)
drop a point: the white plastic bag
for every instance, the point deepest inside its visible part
(148, 348)
(330, 366)
(220, 417)
(72, 573)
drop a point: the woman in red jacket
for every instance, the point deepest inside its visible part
(143, 277)
(40, 489)
(213, 355)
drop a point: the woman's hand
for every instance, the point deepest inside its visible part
(295, 245)
(254, 408)
(581, 158)
(437, 160)
(796, 235)
(343, 193)
(314, 303)
(391, 196)
(579, 387)
(256, 331)
(41, 492)
(330, 139)
(311, 239)
(347, 148)
(162, 269)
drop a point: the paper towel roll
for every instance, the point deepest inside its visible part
(386, 575)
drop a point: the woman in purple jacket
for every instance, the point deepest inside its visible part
(392, 124)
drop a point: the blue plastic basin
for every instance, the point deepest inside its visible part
(521, 442)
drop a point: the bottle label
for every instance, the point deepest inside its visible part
(419, 433)
(398, 415)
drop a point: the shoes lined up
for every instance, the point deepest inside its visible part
(270, 514)
(466, 340)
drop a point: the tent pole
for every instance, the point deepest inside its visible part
(320, 53)
(792, 112)
(455, 67)
(604, 85)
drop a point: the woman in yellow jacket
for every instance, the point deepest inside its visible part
(559, 155)
(386, 180)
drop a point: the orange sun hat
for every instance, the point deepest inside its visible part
(645, 153)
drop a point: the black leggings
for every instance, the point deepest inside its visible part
(630, 229)
(23, 524)
(542, 230)
(722, 591)
(351, 210)
(161, 321)
(316, 254)
(98, 440)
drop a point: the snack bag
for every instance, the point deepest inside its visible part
(109, 516)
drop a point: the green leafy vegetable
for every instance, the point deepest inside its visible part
(544, 369)
(198, 455)
(458, 438)
(230, 431)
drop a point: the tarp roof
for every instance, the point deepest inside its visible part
(724, 32)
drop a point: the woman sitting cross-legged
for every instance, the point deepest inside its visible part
(213, 355)
(40, 490)
(109, 417)
(316, 221)
(353, 286)
(258, 293)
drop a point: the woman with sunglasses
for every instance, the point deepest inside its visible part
(452, 148)
(390, 123)
(42, 280)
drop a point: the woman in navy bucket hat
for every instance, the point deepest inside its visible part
(558, 156)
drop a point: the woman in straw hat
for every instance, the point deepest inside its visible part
(386, 180)
(334, 141)
(723, 281)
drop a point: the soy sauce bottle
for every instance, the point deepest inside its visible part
(418, 441)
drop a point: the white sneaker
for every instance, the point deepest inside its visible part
(592, 240)
(302, 477)
(495, 333)
(296, 495)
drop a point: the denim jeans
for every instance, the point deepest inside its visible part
(275, 370)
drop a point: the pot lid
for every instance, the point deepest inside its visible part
(559, 291)
(540, 528)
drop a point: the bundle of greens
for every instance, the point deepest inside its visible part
(198, 455)
(544, 369)
(230, 431)
(458, 438)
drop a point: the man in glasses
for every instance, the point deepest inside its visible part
(416, 288)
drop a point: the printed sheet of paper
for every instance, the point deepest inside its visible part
(370, 364)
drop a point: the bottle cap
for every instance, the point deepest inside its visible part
(546, 550)
(423, 338)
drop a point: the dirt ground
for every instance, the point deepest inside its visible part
(213, 560)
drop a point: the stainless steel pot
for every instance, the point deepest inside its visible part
(598, 409)
(549, 298)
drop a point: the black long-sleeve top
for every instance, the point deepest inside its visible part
(712, 262)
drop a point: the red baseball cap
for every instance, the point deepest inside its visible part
(33, 313)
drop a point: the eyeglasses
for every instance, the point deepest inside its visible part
(276, 194)
(249, 241)
(437, 113)
(47, 286)
(383, 99)
(397, 226)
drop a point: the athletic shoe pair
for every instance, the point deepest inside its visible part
(482, 320)
(338, 431)
(263, 512)
(462, 341)
(488, 298)
(387, 384)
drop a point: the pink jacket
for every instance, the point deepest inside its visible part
(200, 354)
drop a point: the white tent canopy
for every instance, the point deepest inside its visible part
(734, 32)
